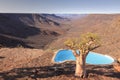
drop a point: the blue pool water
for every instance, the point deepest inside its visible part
(92, 57)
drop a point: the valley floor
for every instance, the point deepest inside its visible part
(35, 64)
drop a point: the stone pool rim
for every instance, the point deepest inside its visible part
(55, 53)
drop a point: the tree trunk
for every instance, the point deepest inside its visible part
(80, 66)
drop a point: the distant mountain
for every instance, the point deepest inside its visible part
(72, 16)
(39, 29)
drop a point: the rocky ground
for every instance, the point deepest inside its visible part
(36, 64)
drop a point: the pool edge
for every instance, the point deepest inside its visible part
(55, 53)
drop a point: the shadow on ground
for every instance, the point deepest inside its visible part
(106, 70)
(1, 57)
(57, 70)
(35, 72)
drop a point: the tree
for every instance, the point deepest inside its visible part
(84, 44)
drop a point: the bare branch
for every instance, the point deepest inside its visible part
(75, 53)
(94, 47)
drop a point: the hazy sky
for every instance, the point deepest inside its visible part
(59, 6)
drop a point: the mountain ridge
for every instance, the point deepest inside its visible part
(26, 26)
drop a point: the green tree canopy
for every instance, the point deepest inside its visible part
(86, 42)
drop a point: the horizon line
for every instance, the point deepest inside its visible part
(60, 13)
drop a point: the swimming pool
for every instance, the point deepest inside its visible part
(92, 57)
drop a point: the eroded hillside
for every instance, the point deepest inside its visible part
(107, 26)
(34, 30)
